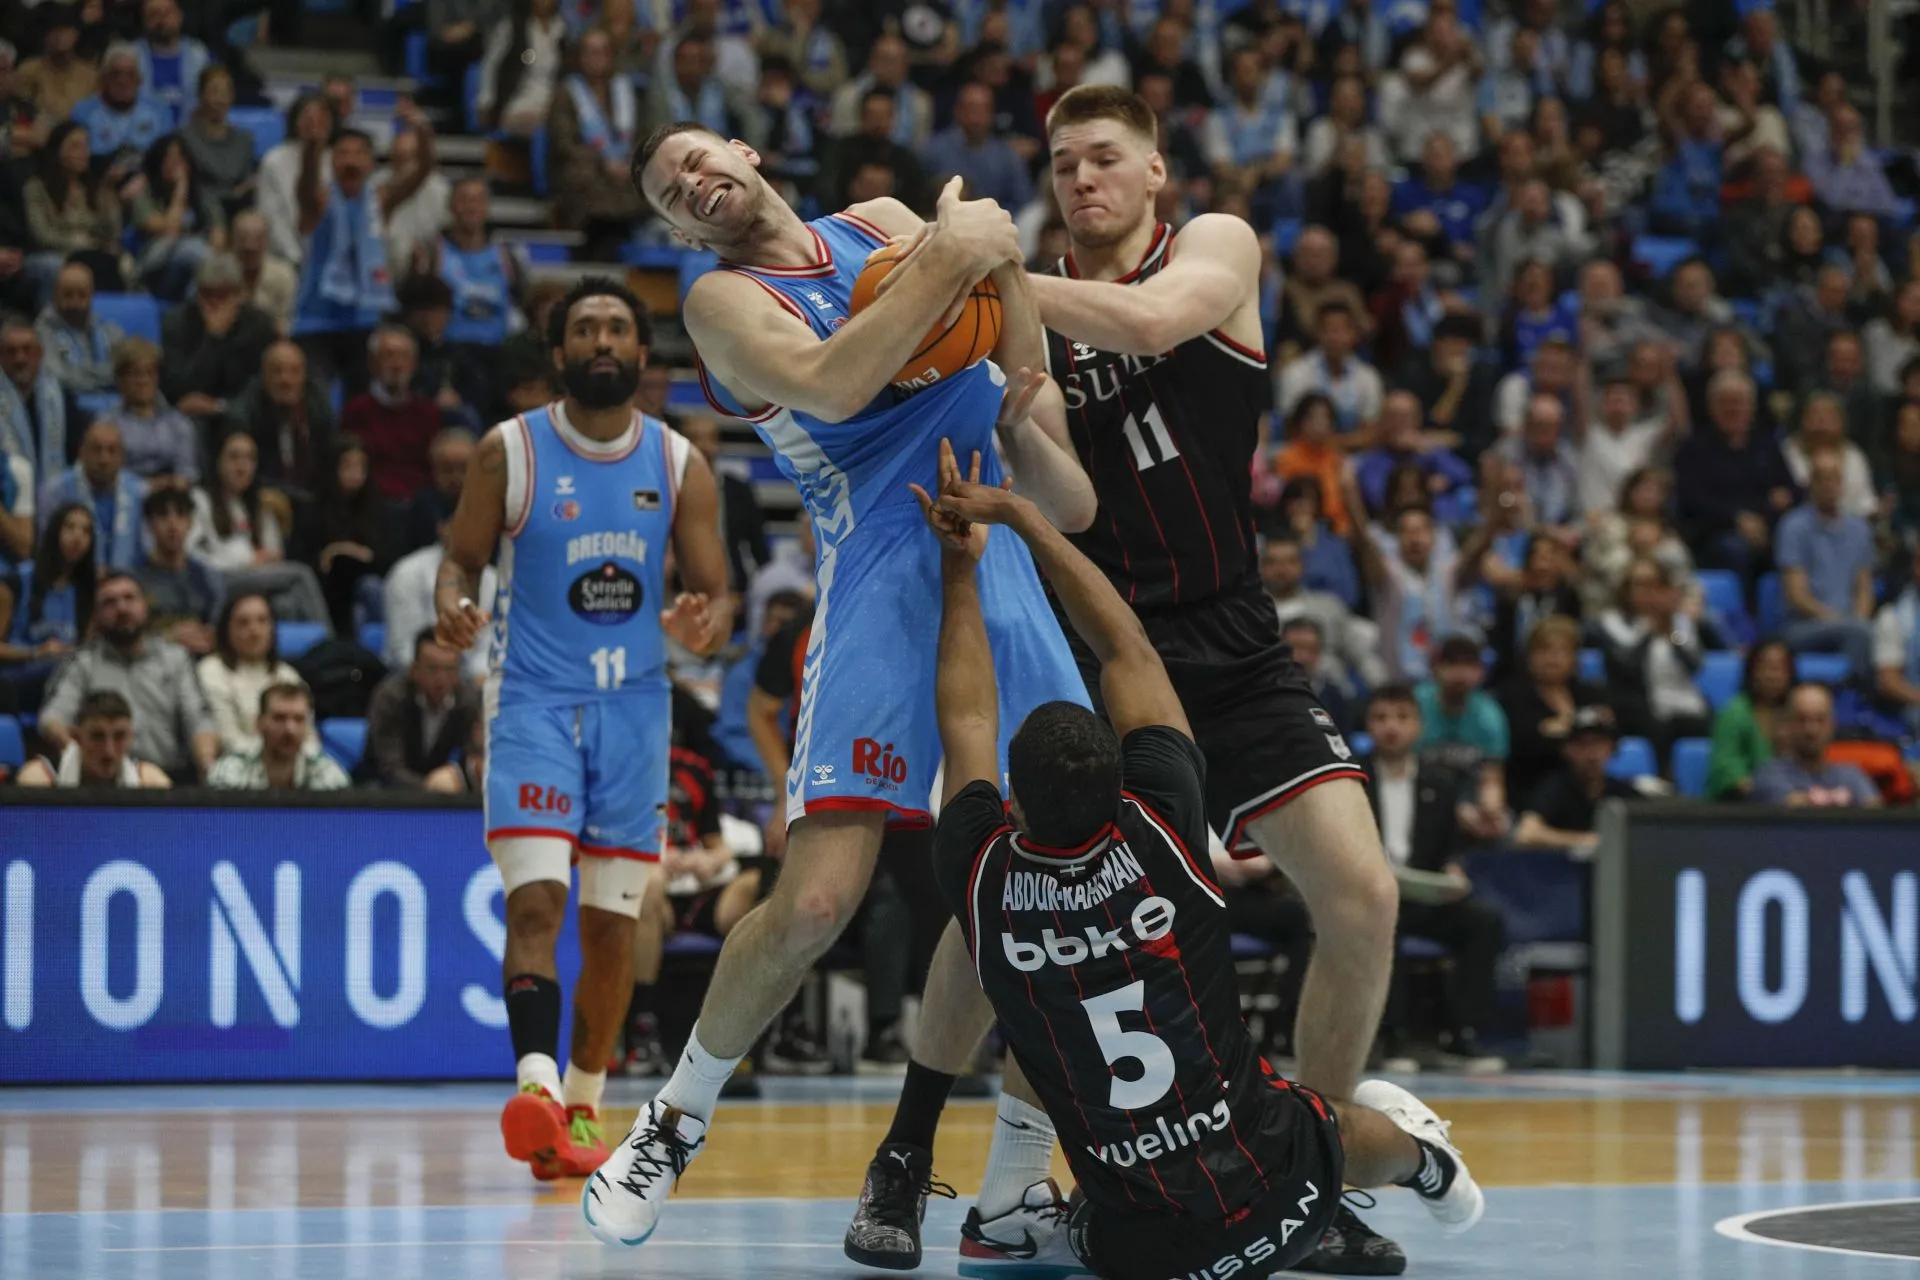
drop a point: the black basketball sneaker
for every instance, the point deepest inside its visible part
(885, 1231)
(1351, 1248)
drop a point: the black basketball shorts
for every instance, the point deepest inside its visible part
(1279, 1228)
(1266, 738)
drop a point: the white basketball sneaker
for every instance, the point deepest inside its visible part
(1455, 1202)
(625, 1196)
(1027, 1242)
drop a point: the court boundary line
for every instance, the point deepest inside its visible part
(1736, 1228)
(543, 1206)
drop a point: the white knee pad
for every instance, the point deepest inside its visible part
(528, 859)
(614, 884)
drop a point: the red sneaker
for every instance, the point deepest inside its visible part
(586, 1148)
(534, 1127)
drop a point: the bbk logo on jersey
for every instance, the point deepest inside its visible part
(1151, 921)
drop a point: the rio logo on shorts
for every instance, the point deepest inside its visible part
(874, 760)
(535, 798)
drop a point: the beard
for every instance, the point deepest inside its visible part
(601, 390)
(122, 637)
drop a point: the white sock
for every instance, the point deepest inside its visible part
(1021, 1154)
(538, 1068)
(582, 1088)
(697, 1078)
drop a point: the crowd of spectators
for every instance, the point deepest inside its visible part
(1595, 343)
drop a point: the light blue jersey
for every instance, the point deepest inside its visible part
(578, 704)
(866, 737)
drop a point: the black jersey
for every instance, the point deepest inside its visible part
(1111, 970)
(1168, 441)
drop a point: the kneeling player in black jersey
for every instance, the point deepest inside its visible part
(1102, 941)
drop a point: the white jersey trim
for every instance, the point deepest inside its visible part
(520, 467)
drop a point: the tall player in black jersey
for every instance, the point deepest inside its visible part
(1154, 338)
(1103, 944)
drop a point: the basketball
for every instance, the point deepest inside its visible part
(946, 351)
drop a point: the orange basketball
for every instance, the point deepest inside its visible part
(946, 351)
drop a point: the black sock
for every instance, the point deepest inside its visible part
(1435, 1173)
(533, 1015)
(922, 1097)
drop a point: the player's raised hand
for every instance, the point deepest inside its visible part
(690, 621)
(459, 625)
(967, 498)
(981, 228)
(956, 533)
(1022, 386)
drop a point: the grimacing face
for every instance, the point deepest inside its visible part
(708, 189)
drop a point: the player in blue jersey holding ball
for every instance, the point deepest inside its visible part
(780, 348)
(585, 499)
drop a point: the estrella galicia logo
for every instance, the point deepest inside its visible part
(606, 596)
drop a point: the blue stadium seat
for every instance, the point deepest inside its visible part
(373, 637)
(1593, 666)
(1361, 741)
(345, 738)
(13, 743)
(470, 97)
(297, 637)
(544, 252)
(1632, 758)
(268, 126)
(416, 59)
(1727, 602)
(1690, 757)
(537, 160)
(1770, 605)
(1248, 947)
(1719, 676)
(1823, 668)
(1413, 948)
(1661, 254)
(1286, 234)
(137, 313)
(699, 944)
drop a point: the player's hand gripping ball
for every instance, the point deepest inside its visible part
(950, 348)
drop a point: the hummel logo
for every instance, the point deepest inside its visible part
(563, 487)
(1081, 351)
(823, 773)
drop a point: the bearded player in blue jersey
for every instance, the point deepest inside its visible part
(779, 347)
(585, 499)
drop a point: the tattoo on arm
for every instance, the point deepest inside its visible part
(492, 456)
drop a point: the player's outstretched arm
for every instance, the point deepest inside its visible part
(472, 533)
(1033, 436)
(759, 348)
(702, 616)
(966, 696)
(1133, 683)
(1214, 272)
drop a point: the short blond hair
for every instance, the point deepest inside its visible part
(1087, 102)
